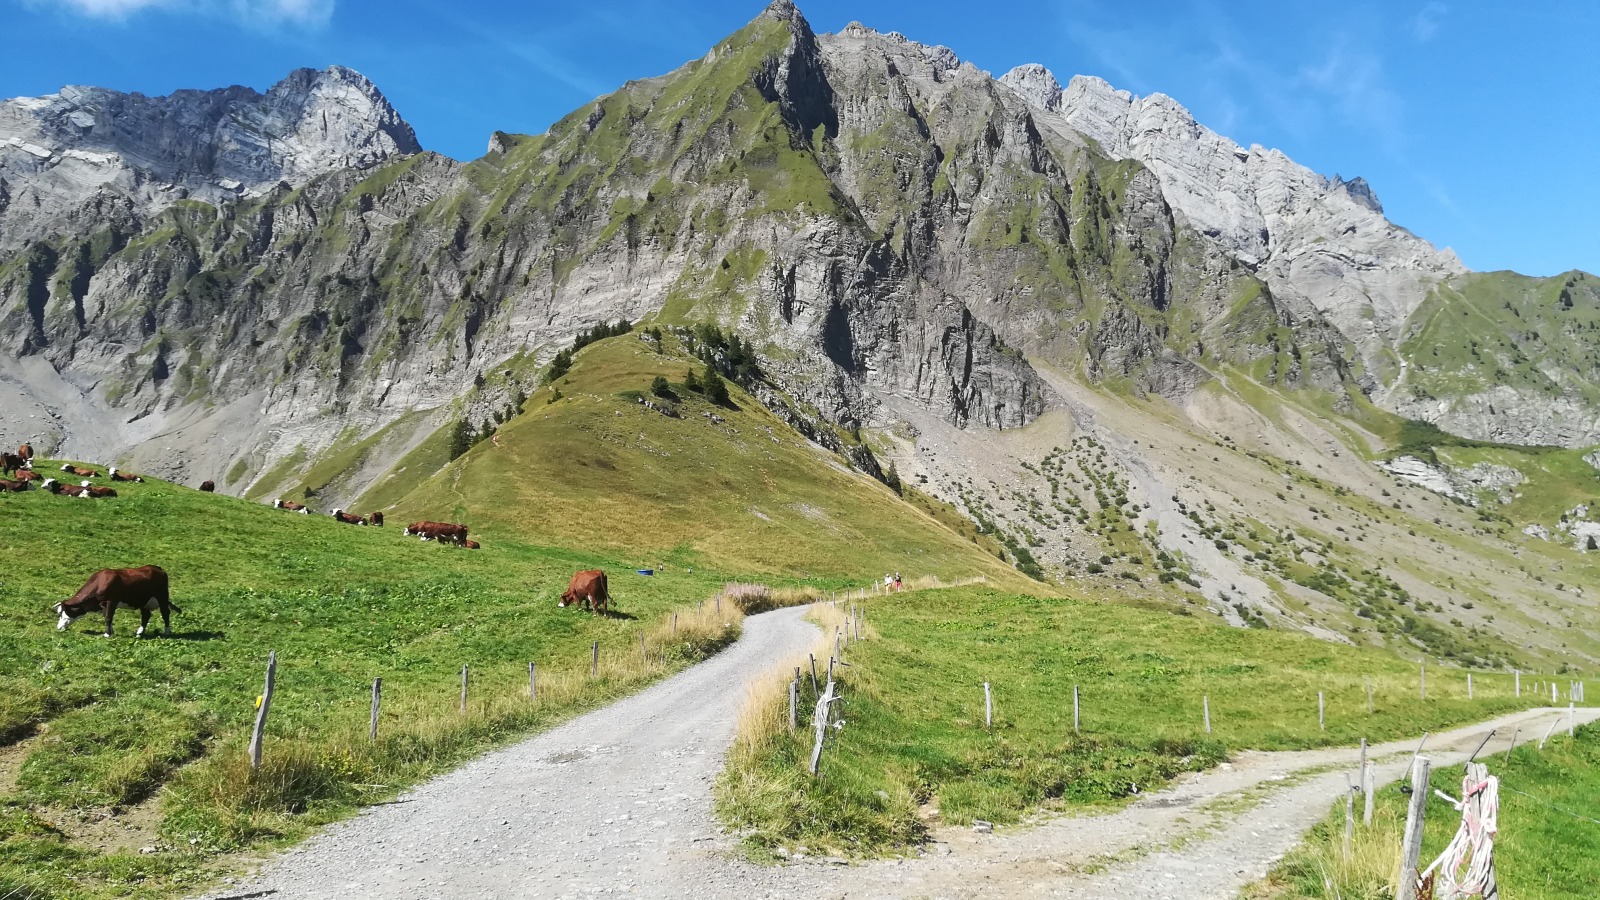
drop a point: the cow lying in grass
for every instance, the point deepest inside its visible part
(121, 476)
(588, 589)
(347, 518)
(69, 490)
(291, 506)
(79, 471)
(109, 590)
(14, 487)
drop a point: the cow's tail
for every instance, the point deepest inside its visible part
(173, 606)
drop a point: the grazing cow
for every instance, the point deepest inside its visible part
(91, 491)
(10, 463)
(121, 476)
(376, 519)
(291, 506)
(15, 487)
(71, 490)
(208, 486)
(473, 545)
(109, 590)
(348, 519)
(588, 588)
(26, 452)
(442, 532)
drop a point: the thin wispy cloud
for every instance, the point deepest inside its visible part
(1425, 24)
(255, 12)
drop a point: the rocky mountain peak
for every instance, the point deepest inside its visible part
(1036, 84)
(62, 149)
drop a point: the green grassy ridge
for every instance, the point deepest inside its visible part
(116, 721)
(1540, 853)
(915, 714)
(741, 492)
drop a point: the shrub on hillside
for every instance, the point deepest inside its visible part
(659, 387)
(716, 389)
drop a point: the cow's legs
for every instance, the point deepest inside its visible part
(144, 622)
(166, 619)
(111, 610)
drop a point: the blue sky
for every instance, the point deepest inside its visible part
(1477, 123)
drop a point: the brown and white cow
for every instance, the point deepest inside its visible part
(376, 519)
(347, 518)
(26, 452)
(473, 545)
(109, 590)
(291, 506)
(79, 471)
(208, 486)
(91, 491)
(442, 532)
(588, 589)
(28, 475)
(14, 487)
(70, 490)
(123, 476)
(10, 463)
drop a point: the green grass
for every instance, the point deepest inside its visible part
(732, 487)
(97, 724)
(1540, 853)
(916, 730)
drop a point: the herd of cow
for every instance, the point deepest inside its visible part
(146, 588)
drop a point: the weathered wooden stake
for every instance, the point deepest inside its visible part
(377, 701)
(1349, 814)
(1572, 719)
(594, 661)
(463, 688)
(1549, 731)
(816, 690)
(1411, 844)
(1469, 685)
(1519, 683)
(1321, 713)
(1514, 733)
(674, 625)
(1074, 708)
(1482, 744)
(261, 711)
(533, 684)
(1366, 786)
(794, 701)
(1418, 753)
(1555, 695)
(819, 719)
(988, 707)
(1205, 704)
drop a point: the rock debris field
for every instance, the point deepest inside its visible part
(618, 803)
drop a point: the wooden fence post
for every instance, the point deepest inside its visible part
(1555, 696)
(1572, 719)
(988, 707)
(377, 701)
(674, 626)
(1469, 685)
(1369, 786)
(1411, 844)
(1322, 721)
(1514, 732)
(1519, 684)
(533, 684)
(463, 688)
(1349, 814)
(1074, 709)
(261, 711)
(594, 661)
(1205, 704)
(816, 690)
(794, 700)
(1549, 731)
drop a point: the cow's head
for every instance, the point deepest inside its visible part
(66, 467)
(277, 504)
(568, 598)
(112, 472)
(337, 513)
(51, 485)
(69, 612)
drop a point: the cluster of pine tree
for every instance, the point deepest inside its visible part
(563, 361)
(734, 357)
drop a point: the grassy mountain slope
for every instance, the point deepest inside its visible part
(99, 734)
(732, 487)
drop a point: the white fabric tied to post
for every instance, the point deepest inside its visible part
(1473, 845)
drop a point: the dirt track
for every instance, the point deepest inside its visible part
(618, 802)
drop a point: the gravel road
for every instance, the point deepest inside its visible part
(618, 802)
